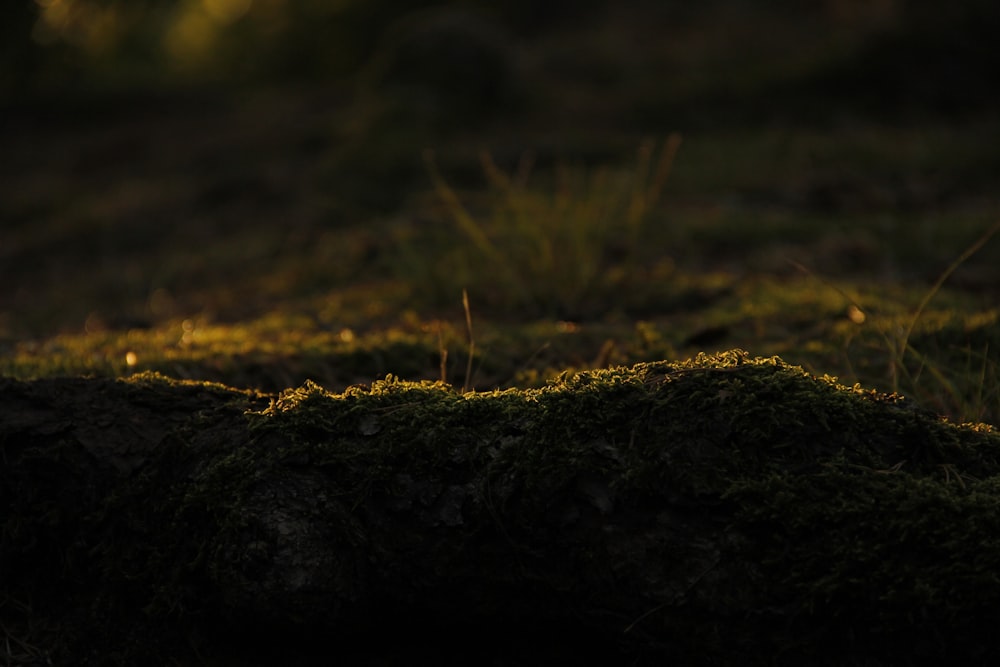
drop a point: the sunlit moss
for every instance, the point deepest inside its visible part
(825, 471)
(951, 364)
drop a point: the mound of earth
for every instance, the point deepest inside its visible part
(723, 510)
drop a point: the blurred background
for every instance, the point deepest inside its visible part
(881, 53)
(173, 163)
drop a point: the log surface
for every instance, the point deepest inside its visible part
(718, 511)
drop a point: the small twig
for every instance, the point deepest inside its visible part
(27, 650)
(951, 471)
(847, 297)
(646, 614)
(677, 598)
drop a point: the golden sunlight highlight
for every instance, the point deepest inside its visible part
(227, 11)
(196, 27)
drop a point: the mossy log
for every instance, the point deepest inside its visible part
(724, 510)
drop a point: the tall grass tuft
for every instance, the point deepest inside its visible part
(558, 252)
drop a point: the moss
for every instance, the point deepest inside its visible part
(733, 495)
(878, 556)
(740, 412)
(844, 483)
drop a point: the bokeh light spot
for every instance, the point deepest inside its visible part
(191, 36)
(227, 11)
(188, 336)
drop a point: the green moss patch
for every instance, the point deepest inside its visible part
(660, 508)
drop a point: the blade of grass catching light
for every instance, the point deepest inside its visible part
(458, 212)
(470, 228)
(639, 202)
(648, 189)
(663, 168)
(472, 340)
(969, 252)
(443, 354)
(494, 174)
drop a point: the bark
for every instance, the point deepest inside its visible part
(728, 510)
